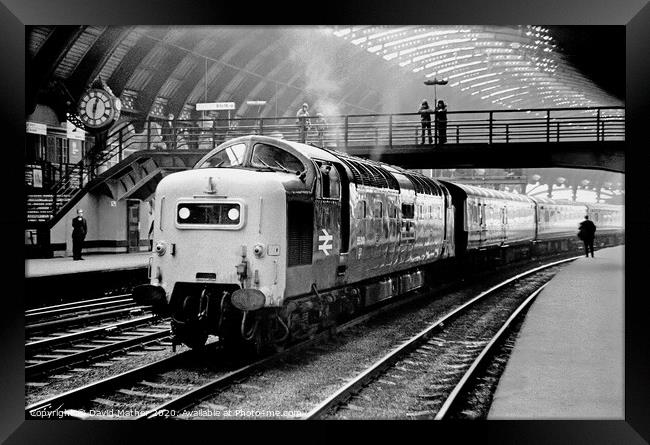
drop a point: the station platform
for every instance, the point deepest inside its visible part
(568, 360)
(91, 263)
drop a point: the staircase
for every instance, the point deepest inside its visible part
(41, 207)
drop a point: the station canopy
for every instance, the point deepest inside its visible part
(272, 70)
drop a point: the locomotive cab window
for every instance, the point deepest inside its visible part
(269, 156)
(228, 157)
(330, 181)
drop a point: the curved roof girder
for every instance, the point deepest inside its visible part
(259, 59)
(266, 81)
(90, 66)
(41, 68)
(221, 62)
(147, 96)
(281, 92)
(120, 77)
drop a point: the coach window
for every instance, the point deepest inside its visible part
(361, 209)
(274, 157)
(378, 212)
(408, 211)
(228, 157)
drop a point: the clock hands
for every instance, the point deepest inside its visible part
(95, 106)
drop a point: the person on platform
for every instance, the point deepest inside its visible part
(587, 232)
(441, 122)
(425, 120)
(79, 230)
(303, 122)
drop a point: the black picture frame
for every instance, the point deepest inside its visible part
(633, 14)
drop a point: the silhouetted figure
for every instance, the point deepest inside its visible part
(425, 120)
(169, 132)
(586, 233)
(303, 122)
(79, 230)
(441, 122)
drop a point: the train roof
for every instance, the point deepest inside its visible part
(544, 200)
(471, 190)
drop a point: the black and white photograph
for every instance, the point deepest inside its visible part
(326, 222)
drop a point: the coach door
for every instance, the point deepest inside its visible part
(133, 225)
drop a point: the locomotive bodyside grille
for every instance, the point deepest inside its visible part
(299, 233)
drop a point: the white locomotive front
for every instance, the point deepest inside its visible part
(220, 241)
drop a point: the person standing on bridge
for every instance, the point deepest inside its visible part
(303, 122)
(79, 230)
(441, 122)
(587, 232)
(425, 120)
(169, 132)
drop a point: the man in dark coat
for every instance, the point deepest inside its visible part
(425, 120)
(586, 233)
(79, 230)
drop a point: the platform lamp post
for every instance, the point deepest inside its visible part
(435, 82)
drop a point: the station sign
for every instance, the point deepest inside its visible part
(256, 102)
(36, 128)
(215, 106)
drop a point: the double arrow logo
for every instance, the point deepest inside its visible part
(326, 240)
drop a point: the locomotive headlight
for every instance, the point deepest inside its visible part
(183, 213)
(258, 250)
(233, 214)
(160, 248)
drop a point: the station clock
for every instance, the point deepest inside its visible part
(99, 109)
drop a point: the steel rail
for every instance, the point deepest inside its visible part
(80, 308)
(452, 398)
(86, 392)
(88, 354)
(90, 333)
(74, 303)
(71, 321)
(389, 359)
(79, 395)
(198, 394)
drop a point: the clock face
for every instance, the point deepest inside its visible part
(97, 108)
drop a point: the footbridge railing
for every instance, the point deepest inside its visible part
(550, 125)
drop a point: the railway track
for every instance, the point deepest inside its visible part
(56, 320)
(66, 308)
(424, 377)
(156, 389)
(133, 391)
(63, 351)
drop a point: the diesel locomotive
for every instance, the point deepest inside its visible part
(266, 241)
